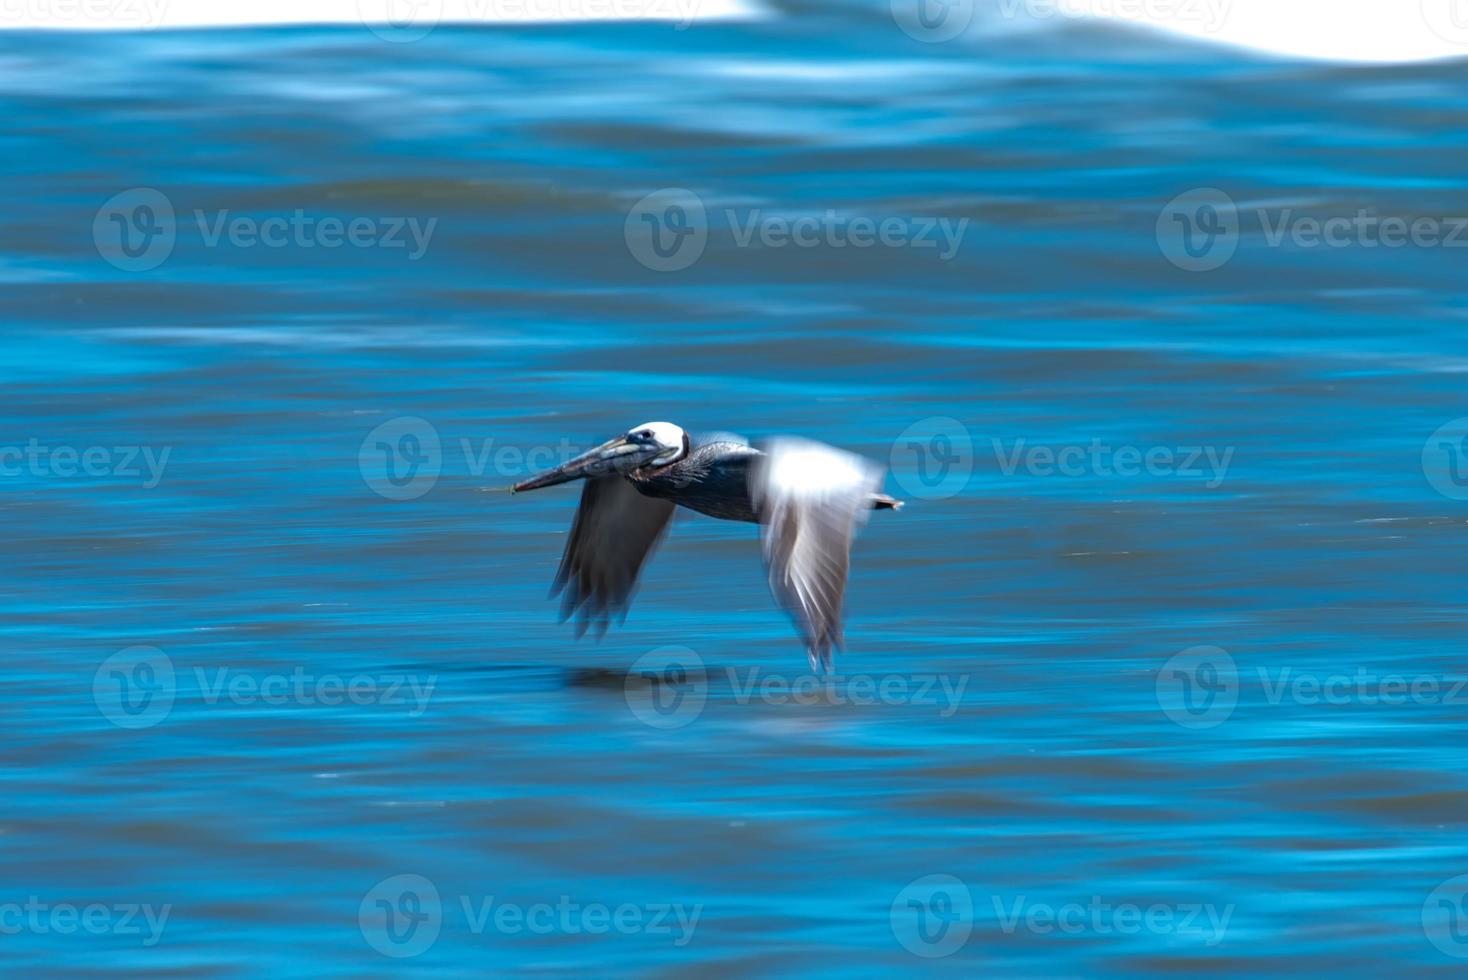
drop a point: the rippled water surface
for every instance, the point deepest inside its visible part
(1040, 767)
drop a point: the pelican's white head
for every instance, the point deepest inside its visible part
(669, 438)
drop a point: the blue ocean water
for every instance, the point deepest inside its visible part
(284, 680)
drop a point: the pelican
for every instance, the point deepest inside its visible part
(808, 498)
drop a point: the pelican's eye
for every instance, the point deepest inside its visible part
(645, 434)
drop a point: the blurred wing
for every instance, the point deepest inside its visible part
(811, 499)
(616, 528)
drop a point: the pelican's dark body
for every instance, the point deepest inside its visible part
(712, 479)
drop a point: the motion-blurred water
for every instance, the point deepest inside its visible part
(1076, 772)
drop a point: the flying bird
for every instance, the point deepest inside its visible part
(808, 498)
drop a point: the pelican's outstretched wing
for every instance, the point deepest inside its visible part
(616, 528)
(811, 498)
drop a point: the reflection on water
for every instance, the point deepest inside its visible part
(1169, 624)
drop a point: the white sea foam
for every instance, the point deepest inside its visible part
(1332, 30)
(1359, 30)
(404, 20)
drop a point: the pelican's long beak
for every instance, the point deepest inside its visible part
(614, 456)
